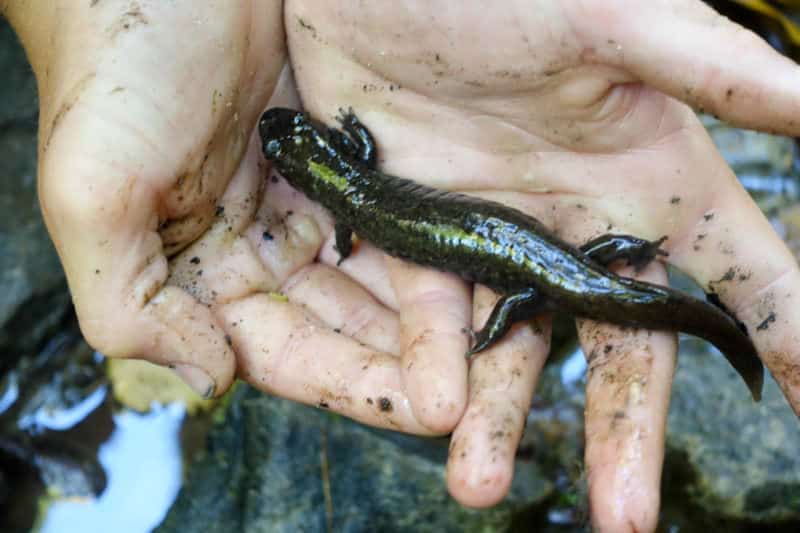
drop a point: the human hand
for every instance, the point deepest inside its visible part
(572, 112)
(175, 245)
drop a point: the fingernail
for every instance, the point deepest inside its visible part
(197, 379)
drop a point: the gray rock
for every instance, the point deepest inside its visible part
(33, 294)
(739, 458)
(19, 103)
(272, 465)
(728, 461)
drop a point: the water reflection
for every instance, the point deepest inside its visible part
(142, 460)
(573, 370)
(62, 419)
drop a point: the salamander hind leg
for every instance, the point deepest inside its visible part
(344, 242)
(508, 310)
(637, 252)
(361, 136)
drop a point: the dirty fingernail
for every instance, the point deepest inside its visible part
(197, 379)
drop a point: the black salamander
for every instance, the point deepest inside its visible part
(486, 242)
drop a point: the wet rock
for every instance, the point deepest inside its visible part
(737, 458)
(33, 294)
(35, 376)
(19, 103)
(272, 465)
(44, 448)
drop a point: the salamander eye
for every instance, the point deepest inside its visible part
(272, 148)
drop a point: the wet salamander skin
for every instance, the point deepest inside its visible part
(486, 242)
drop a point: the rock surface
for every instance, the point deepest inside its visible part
(272, 465)
(739, 458)
(33, 293)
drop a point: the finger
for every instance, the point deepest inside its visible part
(232, 260)
(287, 352)
(735, 253)
(289, 229)
(345, 306)
(366, 265)
(113, 258)
(627, 397)
(691, 52)
(434, 312)
(480, 465)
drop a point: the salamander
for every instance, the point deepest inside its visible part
(486, 242)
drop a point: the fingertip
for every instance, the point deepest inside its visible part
(634, 513)
(476, 484)
(197, 379)
(176, 330)
(434, 309)
(207, 374)
(438, 394)
(439, 412)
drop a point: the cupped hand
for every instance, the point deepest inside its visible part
(575, 112)
(178, 247)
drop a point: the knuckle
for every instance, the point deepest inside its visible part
(78, 192)
(360, 321)
(107, 336)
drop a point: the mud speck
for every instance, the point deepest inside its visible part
(307, 26)
(766, 322)
(618, 416)
(675, 200)
(385, 404)
(728, 276)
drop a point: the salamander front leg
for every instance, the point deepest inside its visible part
(344, 242)
(361, 136)
(339, 140)
(509, 309)
(635, 251)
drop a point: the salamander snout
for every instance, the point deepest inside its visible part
(278, 124)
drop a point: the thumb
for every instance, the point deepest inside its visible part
(105, 232)
(137, 130)
(689, 51)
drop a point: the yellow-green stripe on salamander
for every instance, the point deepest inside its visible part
(486, 242)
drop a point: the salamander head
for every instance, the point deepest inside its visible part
(285, 131)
